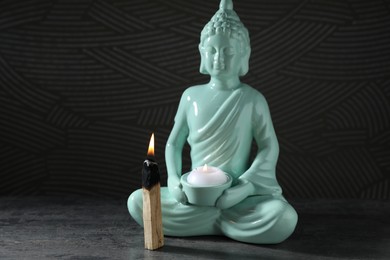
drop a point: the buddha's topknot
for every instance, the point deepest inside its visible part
(226, 21)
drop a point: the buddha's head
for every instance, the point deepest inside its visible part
(224, 44)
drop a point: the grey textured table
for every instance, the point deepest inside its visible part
(95, 228)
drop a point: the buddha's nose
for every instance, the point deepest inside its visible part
(219, 61)
(219, 57)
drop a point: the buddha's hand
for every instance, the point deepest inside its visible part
(235, 194)
(176, 189)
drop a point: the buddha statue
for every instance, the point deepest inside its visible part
(220, 120)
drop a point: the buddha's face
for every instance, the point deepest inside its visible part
(222, 56)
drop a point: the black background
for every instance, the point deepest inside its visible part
(83, 84)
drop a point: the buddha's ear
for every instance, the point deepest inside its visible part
(245, 61)
(202, 67)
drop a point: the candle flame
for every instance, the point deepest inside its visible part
(151, 146)
(205, 168)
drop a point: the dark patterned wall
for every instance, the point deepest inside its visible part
(84, 83)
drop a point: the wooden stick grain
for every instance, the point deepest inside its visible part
(152, 217)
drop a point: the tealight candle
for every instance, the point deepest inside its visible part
(207, 176)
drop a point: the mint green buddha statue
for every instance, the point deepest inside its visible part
(220, 119)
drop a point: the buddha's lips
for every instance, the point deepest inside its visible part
(219, 66)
